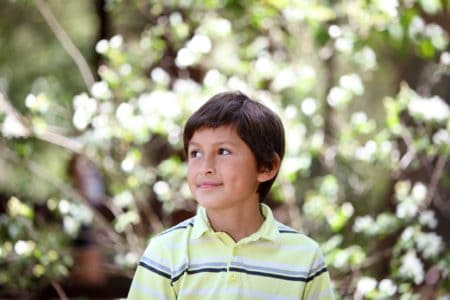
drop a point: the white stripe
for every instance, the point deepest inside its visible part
(208, 265)
(155, 258)
(303, 248)
(265, 264)
(317, 264)
(269, 270)
(210, 259)
(255, 265)
(284, 227)
(178, 226)
(154, 264)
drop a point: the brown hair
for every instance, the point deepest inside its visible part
(259, 127)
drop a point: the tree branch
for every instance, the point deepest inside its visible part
(50, 137)
(437, 173)
(68, 192)
(9, 110)
(59, 290)
(66, 42)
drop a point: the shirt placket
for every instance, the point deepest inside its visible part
(232, 275)
(231, 249)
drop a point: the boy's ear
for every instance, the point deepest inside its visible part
(266, 174)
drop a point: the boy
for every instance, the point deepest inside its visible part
(233, 248)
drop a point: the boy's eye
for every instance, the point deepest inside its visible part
(223, 151)
(194, 153)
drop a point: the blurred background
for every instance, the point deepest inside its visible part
(94, 95)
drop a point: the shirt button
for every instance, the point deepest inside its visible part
(233, 277)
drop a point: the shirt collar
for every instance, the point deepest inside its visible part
(268, 230)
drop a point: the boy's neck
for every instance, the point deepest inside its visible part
(237, 223)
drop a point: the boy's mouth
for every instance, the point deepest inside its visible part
(208, 185)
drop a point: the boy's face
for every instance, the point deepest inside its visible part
(222, 170)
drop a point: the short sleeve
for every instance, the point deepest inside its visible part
(318, 284)
(152, 279)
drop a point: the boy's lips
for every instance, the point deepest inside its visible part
(208, 184)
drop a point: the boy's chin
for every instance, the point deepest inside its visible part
(211, 203)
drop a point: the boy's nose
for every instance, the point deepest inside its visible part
(207, 167)
(209, 171)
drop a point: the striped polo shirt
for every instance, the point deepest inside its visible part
(191, 261)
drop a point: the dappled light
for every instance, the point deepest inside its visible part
(94, 96)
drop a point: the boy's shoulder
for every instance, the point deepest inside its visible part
(175, 231)
(290, 235)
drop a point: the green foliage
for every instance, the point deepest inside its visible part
(32, 252)
(355, 147)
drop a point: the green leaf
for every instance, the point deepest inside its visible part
(18, 208)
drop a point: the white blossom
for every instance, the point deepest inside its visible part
(290, 112)
(367, 152)
(334, 31)
(416, 27)
(186, 57)
(419, 192)
(285, 78)
(235, 83)
(338, 96)
(428, 218)
(214, 78)
(12, 127)
(101, 90)
(309, 106)
(408, 234)
(102, 46)
(445, 58)
(265, 66)
(200, 43)
(160, 76)
(131, 258)
(366, 58)
(185, 86)
(64, 206)
(162, 189)
(388, 287)
(389, 7)
(125, 69)
(412, 267)
(85, 108)
(344, 44)
(128, 164)
(348, 209)
(353, 83)
(123, 199)
(366, 285)
(441, 137)
(363, 223)
(124, 112)
(116, 41)
(159, 103)
(38, 103)
(430, 244)
(71, 226)
(429, 109)
(24, 247)
(358, 118)
(406, 210)
(217, 27)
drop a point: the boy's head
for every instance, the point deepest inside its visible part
(259, 127)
